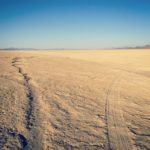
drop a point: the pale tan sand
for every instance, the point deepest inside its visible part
(83, 99)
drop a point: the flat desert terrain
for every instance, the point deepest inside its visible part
(75, 100)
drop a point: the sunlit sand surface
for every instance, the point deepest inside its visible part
(83, 99)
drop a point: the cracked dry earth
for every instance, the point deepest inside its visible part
(75, 100)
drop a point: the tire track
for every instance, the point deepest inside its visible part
(117, 132)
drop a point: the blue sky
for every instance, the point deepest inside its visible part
(77, 24)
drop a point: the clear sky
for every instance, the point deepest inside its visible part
(77, 24)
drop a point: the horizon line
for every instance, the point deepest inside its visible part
(125, 47)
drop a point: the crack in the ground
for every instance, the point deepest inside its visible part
(29, 112)
(6, 136)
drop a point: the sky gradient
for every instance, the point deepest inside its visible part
(74, 24)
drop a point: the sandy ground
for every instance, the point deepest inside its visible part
(64, 100)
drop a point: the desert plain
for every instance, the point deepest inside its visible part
(75, 100)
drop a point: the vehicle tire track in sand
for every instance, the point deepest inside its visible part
(118, 136)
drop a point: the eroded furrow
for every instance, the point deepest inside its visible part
(118, 135)
(18, 142)
(29, 111)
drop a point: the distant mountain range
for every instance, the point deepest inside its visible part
(136, 47)
(13, 48)
(146, 46)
